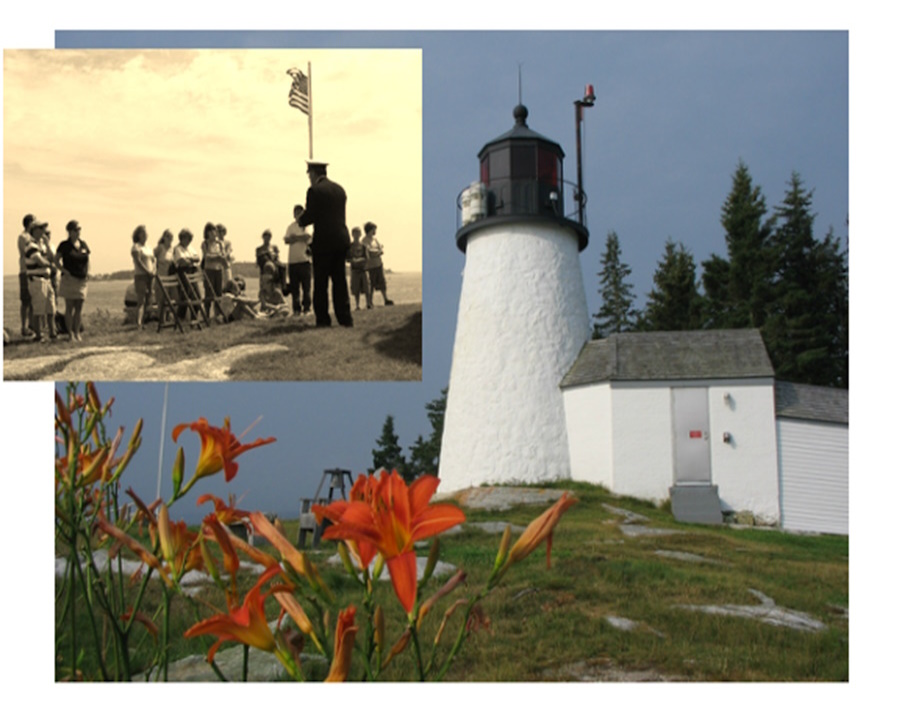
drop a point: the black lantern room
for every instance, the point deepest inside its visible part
(521, 174)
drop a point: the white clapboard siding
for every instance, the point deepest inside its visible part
(814, 476)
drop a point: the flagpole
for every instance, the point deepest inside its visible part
(310, 107)
(162, 439)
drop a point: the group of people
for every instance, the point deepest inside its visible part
(214, 259)
(319, 257)
(324, 254)
(46, 275)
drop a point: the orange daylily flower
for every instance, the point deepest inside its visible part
(392, 517)
(540, 529)
(226, 513)
(246, 624)
(218, 448)
(363, 490)
(345, 631)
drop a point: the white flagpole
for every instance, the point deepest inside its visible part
(162, 439)
(310, 107)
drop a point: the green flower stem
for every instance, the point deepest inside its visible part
(461, 635)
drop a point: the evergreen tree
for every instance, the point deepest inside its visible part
(737, 291)
(424, 453)
(674, 304)
(616, 313)
(388, 454)
(807, 329)
(716, 284)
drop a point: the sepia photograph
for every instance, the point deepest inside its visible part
(209, 214)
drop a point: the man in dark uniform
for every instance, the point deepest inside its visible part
(325, 210)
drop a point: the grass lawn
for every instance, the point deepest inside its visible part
(385, 344)
(559, 623)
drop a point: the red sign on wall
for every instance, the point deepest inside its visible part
(695, 434)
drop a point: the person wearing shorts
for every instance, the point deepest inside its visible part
(73, 254)
(38, 265)
(374, 268)
(359, 281)
(145, 267)
(24, 296)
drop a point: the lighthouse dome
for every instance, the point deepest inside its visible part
(521, 174)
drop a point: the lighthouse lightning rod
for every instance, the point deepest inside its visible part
(587, 101)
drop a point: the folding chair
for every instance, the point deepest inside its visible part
(217, 300)
(190, 301)
(167, 288)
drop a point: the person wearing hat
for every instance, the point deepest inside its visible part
(325, 210)
(38, 270)
(298, 240)
(72, 255)
(25, 311)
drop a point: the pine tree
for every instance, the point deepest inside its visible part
(806, 332)
(674, 304)
(424, 453)
(388, 454)
(738, 290)
(616, 313)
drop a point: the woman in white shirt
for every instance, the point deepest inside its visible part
(145, 267)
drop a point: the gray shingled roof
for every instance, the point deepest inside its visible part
(811, 402)
(671, 355)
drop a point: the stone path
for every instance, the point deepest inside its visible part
(500, 498)
(766, 611)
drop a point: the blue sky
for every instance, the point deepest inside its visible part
(676, 112)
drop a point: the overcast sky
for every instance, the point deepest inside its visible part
(676, 112)
(177, 138)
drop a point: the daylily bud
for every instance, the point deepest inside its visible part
(455, 580)
(399, 647)
(93, 399)
(290, 604)
(209, 561)
(430, 562)
(165, 533)
(178, 471)
(136, 435)
(377, 568)
(346, 558)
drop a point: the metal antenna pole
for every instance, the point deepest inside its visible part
(587, 100)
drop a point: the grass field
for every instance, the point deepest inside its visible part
(106, 298)
(558, 623)
(385, 344)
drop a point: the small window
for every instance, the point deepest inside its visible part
(549, 167)
(523, 162)
(499, 165)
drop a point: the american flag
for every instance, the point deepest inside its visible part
(299, 96)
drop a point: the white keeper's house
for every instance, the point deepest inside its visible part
(695, 417)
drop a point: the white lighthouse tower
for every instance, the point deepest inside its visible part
(522, 318)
